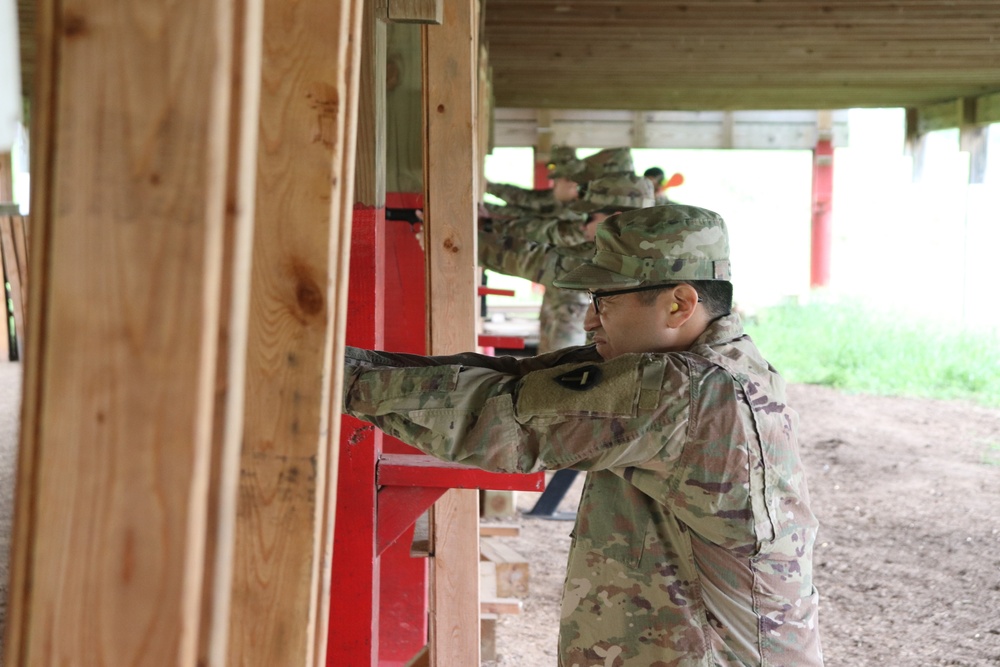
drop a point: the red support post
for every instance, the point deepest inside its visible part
(541, 180)
(822, 213)
(379, 597)
(354, 600)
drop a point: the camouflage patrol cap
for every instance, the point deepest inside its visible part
(606, 162)
(620, 191)
(563, 163)
(655, 245)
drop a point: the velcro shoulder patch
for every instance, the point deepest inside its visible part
(580, 379)
(586, 389)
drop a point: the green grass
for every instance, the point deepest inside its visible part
(856, 350)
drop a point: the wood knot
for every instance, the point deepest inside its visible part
(450, 245)
(74, 25)
(309, 298)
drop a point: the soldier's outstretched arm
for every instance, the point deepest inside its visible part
(587, 415)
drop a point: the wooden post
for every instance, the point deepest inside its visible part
(342, 258)
(282, 522)
(543, 149)
(130, 168)
(234, 310)
(6, 196)
(451, 178)
(354, 610)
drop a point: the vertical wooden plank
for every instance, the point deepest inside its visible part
(280, 520)
(404, 109)
(6, 195)
(234, 308)
(12, 272)
(354, 599)
(341, 251)
(6, 178)
(130, 146)
(451, 178)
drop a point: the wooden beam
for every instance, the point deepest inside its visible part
(354, 607)
(234, 311)
(941, 116)
(128, 215)
(771, 130)
(415, 11)
(282, 530)
(404, 139)
(341, 265)
(451, 180)
(988, 109)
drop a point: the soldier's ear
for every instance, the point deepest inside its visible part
(683, 300)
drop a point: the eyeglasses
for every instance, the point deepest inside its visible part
(595, 297)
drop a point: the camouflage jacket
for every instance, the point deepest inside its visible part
(560, 319)
(563, 228)
(694, 538)
(538, 262)
(533, 200)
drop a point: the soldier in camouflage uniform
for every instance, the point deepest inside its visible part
(562, 166)
(560, 317)
(543, 253)
(693, 544)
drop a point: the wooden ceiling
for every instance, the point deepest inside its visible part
(741, 54)
(695, 55)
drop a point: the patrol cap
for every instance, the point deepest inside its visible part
(563, 163)
(654, 245)
(620, 191)
(606, 162)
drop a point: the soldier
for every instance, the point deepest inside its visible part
(562, 166)
(541, 254)
(693, 544)
(560, 317)
(660, 183)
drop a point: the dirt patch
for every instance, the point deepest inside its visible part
(907, 492)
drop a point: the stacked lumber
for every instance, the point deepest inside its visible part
(503, 581)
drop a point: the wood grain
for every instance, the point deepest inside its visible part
(451, 178)
(281, 516)
(129, 152)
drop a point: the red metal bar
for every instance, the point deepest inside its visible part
(423, 470)
(505, 342)
(541, 175)
(413, 200)
(822, 213)
(483, 291)
(399, 507)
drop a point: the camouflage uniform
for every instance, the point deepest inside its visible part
(564, 231)
(561, 315)
(563, 164)
(607, 162)
(541, 201)
(538, 262)
(693, 541)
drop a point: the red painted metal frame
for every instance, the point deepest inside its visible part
(482, 290)
(822, 213)
(378, 605)
(427, 471)
(505, 342)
